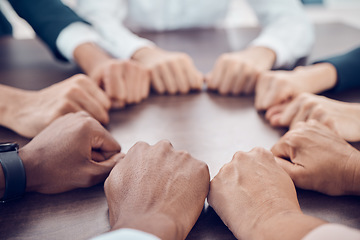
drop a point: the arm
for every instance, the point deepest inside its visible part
(48, 19)
(165, 201)
(347, 69)
(107, 17)
(126, 234)
(333, 232)
(5, 26)
(286, 30)
(256, 199)
(81, 143)
(170, 72)
(336, 74)
(304, 153)
(287, 35)
(37, 109)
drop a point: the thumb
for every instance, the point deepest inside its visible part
(290, 168)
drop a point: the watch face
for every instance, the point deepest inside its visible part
(7, 147)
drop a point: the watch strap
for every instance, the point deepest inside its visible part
(14, 173)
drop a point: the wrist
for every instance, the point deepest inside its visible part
(33, 177)
(156, 224)
(286, 225)
(144, 51)
(317, 78)
(265, 56)
(351, 175)
(88, 56)
(9, 104)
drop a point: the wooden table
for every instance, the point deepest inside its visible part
(211, 127)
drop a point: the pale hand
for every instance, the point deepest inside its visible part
(237, 73)
(276, 87)
(124, 82)
(318, 159)
(157, 190)
(256, 199)
(170, 72)
(35, 110)
(341, 117)
(75, 151)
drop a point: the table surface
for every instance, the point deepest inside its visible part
(210, 127)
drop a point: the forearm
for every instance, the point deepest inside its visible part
(317, 78)
(287, 225)
(286, 30)
(47, 18)
(8, 98)
(348, 70)
(352, 173)
(265, 56)
(89, 55)
(155, 224)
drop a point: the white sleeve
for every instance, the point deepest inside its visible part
(106, 17)
(286, 30)
(126, 234)
(76, 34)
(333, 232)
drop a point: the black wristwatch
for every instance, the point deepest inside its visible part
(14, 171)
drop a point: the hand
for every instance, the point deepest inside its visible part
(236, 73)
(318, 159)
(256, 199)
(157, 190)
(32, 111)
(275, 87)
(125, 82)
(75, 151)
(170, 72)
(340, 116)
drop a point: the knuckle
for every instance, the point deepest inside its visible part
(80, 79)
(304, 96)
(164, 143)
(140, 144)
(184, 154)
(239, 155)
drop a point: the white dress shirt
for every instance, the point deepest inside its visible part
(286, 28)
(323, 232)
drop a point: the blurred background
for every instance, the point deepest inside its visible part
(320, 11)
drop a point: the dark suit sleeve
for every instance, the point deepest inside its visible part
(47, 17)
(348, 70)
(5, 26)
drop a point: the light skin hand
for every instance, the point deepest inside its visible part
(256, 199)
(318, 159)
(236, 73)
(35, 110)
(75, 151)
(157, 190)
(276, 87)
(170, 72)
(340, 116)
(124, 82)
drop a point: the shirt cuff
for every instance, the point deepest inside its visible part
(126, 234)
(121, 43)
(333, 232)
(74, 35)
(282, 56)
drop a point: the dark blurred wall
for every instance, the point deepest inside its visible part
(312, 1)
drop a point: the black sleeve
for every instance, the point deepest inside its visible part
(5, 26)
(47, 17)
(348, 70)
